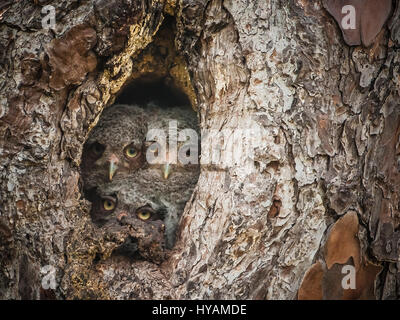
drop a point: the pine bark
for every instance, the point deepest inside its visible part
(318, 188)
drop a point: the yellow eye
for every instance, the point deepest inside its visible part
(144, 215)
(108, 205)
(131, 152)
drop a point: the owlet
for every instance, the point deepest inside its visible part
(124, 204)
(115, 146)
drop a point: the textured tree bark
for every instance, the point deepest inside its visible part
(314, 185)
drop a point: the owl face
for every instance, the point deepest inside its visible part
(171, 194)
(122, 206)
(172, 145)
(184, 160)
(115, 147)
(107, 210)
(125, 200)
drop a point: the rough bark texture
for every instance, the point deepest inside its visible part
(318, 188)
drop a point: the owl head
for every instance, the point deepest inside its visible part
(116, 146)
(172, 141)
(121, 205)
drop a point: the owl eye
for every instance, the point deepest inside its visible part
(144, 215)
(153, 148)
(97, 148)
(108, 204)
(131, 152)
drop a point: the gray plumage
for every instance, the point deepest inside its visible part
(105, 156)
(161, 188)
(124, 203)
(175, 190)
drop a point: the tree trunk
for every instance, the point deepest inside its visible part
(300, 165)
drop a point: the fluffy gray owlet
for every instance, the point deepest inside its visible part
(115, 146)
(172, 171)
(124, 203)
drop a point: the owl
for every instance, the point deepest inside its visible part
(171, 171)
(115, 147)
(124, 205)
(168, 195)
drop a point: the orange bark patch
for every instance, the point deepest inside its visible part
(365, 283)
(311, 287)
(71, 58)
(275, 208)
(343, 242)
(370, 16)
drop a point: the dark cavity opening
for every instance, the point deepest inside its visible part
(148, 88)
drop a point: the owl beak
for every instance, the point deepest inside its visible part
(113, 165)
(166, 170)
